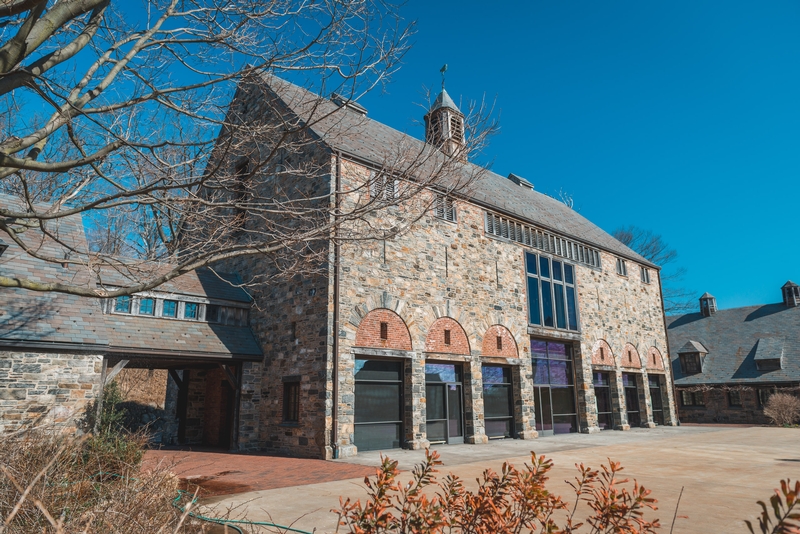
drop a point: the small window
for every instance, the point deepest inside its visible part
(690, 363)
(147, 306)
(622, 268)
(447, 337)
(499, 342)
(170, 308)
(384, 330)
(602, 354)
(293, 331)
(122, 304)
(735, 398)
(291, 402)
(444, 208)
(692, 398)
(645, 274)
(212, 313)
(190, 310)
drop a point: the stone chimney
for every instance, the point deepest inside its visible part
(791, 294)
(708, 305)
(444, 126)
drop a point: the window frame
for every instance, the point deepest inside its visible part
(163, 304)
(738, 393)
(444, 208)
(378, 189)
(696, 399)
(290, 409)
(645, 273)
(622, 267)
(196, 311)
(553, 282)
(139, 307)
(124, 298)
(694, 357)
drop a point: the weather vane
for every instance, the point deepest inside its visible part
(443, 70)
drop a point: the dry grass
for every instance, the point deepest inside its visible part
(783, 409)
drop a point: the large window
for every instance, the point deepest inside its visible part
(602, 393)
(554, 387)
(498, 401)
(551, 292)
(692, 398)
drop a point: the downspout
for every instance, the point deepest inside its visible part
(669, 354)
(335, 370)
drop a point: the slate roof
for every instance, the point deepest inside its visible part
(371, 141)
(53, 321)
(692, 346)
(444, 101)
(735, 339)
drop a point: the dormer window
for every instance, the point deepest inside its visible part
(190, 310)
(690, 363)
(122, 304)
(769, 353)
(170, 308)
(692, 355)
(147, 306)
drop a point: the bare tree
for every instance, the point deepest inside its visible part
(123, 116)
(652, 247)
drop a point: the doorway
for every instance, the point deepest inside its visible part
(654, 382)
(631, 386)
(602, 393)
(378, 404)
(444, 403)
(554, 388)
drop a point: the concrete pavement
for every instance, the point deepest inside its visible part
(723, 472)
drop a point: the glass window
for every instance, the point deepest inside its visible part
(190, 310)
(170, 308)
(551, 301)
(147, 306)
(122, 304)
(291, 402)
(378, 404)
(442, 372)
(378, 370)
(498, 401)
(691, 363)
(734, 398)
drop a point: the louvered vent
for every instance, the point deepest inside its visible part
(445, 208)
(539, 239)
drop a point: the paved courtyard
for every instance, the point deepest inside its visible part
(723, 471)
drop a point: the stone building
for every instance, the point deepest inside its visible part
(57, 350)
(727, 363)
(501, 313)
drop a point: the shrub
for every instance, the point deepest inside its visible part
(783, 409)
(783, 506)
(515, 500)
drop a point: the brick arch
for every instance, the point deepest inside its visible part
(630, 357)
(369, 331)
(602, 353)
(655, 360)
(435, 340)
(508, 343)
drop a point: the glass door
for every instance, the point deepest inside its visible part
(655, 399)
(602, 393)
(632, 399)
(444, 403)
(554, 387)
(498, 402)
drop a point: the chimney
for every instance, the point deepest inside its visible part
(791, 294)
(708, 305)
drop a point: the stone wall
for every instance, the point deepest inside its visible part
(46, 388)
(717, 409)
(441, 270)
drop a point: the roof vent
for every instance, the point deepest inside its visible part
(519, 180)
(791, 294)
(708, 305)
(343, 102)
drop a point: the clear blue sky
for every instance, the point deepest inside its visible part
(681, 117)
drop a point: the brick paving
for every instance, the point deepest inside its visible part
(222, 473)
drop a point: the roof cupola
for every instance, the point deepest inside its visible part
(444, 124)
(708, 305)
(791, 294)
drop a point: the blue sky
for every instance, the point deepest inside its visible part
(679, 117)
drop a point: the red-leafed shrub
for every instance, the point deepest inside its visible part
(514, 500)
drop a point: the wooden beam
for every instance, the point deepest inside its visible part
(115, 371)
(230, 376)
(176, 378)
